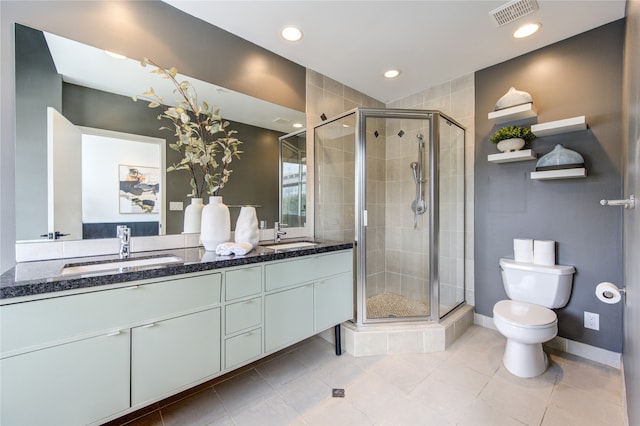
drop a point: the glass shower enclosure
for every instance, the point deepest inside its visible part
(392, 180)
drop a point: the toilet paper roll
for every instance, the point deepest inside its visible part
(544, 252)
(608, 293)
(523, 250)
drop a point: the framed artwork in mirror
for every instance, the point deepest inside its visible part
(139, 189)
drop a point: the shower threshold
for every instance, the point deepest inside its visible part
(409, 337)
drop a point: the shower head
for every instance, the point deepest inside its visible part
(414, 167)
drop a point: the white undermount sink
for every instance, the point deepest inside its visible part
(82, 268)
(293, 245)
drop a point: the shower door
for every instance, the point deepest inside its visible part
(397, 250)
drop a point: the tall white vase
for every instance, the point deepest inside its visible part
(247, 226)
(193, 216)
(216, 224)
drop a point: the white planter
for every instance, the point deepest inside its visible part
(247, 226)
(513, 144)
(193, 216)
(216, 224)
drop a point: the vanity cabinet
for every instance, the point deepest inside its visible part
(87, 358)
(317, 293)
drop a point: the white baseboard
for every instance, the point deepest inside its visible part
(593, 353)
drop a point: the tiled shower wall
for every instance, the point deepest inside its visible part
(331, 98)
(454, 98)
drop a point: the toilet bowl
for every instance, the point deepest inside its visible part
(526, 326)
(527, 320)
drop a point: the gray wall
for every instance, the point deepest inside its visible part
(578, 76)
(136, 29)
(631, 109)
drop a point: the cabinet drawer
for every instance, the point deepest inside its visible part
(242, 348)
(32, 324)
(306, 269)
(243, 282)
(241, 315)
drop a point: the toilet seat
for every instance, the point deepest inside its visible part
(523, 314)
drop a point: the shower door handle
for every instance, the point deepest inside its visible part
(365, 218)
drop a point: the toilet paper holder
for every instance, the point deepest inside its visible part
(610, 293)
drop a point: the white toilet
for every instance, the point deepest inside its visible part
(526, 320)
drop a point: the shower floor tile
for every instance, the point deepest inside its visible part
(464, 385)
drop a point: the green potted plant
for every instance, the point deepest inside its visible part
(512, 138)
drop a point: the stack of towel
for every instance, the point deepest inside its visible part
(239, 249)
(246, 234)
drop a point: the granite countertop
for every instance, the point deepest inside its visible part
(42, 277)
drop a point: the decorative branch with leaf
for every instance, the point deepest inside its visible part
(206, 145)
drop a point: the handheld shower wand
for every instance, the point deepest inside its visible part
(418, 205)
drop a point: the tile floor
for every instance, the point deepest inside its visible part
(466, 385)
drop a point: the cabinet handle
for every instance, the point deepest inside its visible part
(114, 333)
(133, 287)
(148, 325)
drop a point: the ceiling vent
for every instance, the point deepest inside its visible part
(280, 120)
(513, 10)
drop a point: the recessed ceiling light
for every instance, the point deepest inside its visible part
(291, 33)
(392, 73)
(297, 125)
(527, 30)
(115, 55)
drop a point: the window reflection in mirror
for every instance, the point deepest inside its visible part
(293, 179)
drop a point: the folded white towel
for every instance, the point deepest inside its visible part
(240, 249)
(224, 249)
(246, 230)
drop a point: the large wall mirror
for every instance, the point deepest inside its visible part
(108, 140)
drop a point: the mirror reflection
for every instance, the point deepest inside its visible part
(79, 86)
(293, 179)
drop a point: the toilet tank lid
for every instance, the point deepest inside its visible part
(554, 269)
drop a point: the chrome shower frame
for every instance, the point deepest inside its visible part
(360, 237)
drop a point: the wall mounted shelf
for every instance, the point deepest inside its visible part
(560, 174)
(518, 112)
(558, 127)
(510, 157)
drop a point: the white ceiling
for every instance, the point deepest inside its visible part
(354, 42)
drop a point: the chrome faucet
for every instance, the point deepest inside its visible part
(124, 233)
(277, 231)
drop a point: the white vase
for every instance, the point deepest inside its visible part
(193, 216)
(247, 226)
(215, 227)
(508, 145)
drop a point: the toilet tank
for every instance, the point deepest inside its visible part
(548, 286)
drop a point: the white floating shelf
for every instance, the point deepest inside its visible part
(560, 174)
(567, 125)
(518, 112)
(510, 157)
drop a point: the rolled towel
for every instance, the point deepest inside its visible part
(247, 227)
(224, 249)
(240, 249)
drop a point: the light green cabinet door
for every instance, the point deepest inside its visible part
(174, 353)
(333, 301)
(288, 317)
(72, 384)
